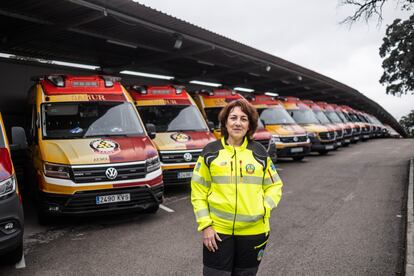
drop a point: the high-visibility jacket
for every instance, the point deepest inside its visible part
(234, 189)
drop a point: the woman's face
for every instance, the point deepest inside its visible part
(237, 123)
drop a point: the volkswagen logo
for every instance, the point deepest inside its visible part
(188, 157)
(111, 173)
(295, 139)
(329, 135)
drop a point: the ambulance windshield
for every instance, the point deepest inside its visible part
(321, 117)
(89, 119)
(303, 116)
(171, 118)
(275, 116)
(333, 116)
(212, 115)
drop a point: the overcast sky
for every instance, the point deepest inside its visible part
(305, 32)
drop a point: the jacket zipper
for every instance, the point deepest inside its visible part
(235, 177)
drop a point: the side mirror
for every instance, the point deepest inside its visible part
(151, 130)
(210, 125)
(19, 140)
(263, 122)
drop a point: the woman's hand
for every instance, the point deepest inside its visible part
(209, 239)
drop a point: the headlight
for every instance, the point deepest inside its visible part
(57, 171)
(153, 164)
(8, 186)
(275, 139)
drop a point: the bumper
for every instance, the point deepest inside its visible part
(323, 147)
(177, 176)
(84, 202)
(293, 151)
(11, 211)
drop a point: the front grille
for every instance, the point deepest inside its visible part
(265, 143)
(339, 134)
(348, 132)
(179, 156)
(328, 135)
(291, 139)
(85, 201)
(170, 177)
(357, 129)
(98, 173)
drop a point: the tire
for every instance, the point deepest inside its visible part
(298, 158)
(153, 209)
(15, 255)
(323, 152)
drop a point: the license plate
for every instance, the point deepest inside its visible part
(296, 150)
(347, 141)
(338, 143)
(181, 175)
(329, 147)
(112, 198)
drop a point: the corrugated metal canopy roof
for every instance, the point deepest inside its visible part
(124, 35)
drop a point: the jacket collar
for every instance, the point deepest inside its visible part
(230, 148)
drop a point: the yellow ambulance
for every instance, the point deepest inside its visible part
(89, 149)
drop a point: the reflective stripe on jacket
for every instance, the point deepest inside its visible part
(234, 189)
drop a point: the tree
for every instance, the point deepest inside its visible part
(397, 48)
(407, 122)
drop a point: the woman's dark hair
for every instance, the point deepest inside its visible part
(247, 108)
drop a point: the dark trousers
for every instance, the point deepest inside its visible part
(236, 255)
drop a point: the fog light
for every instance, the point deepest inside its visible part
(9, 226)
(54, 208)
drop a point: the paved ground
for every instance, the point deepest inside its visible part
(341, 214)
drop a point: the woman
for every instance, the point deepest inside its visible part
(234, 187)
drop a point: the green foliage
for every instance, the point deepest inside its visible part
(398, 51)
(407, 122)
(398, 44)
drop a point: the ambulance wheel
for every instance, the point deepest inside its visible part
(15, 255)
(153, 209)
(298, 158)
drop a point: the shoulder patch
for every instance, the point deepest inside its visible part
(211, 151)
(259, 153)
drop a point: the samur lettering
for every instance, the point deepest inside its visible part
(96, 97)
(170, 102)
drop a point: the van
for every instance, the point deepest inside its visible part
(331, 124)
(351, 116)
(337, 119)
(90, 151)
(11, 210)
(182, 133)
(346, 119)
(212, 102)
(291, 139)
(322, 138)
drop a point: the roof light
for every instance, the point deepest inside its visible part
(146, 75)
(212, 84)
(178, 89)
(254, 74)
(110, 80)
(242, 89)
(57, 80)
(268, 68)
(140, 88)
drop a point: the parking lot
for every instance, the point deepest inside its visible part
(341, 214)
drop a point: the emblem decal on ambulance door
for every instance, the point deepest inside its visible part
(104, 146)
(180, 137)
